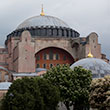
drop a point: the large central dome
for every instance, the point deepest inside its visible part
(42, 21)
(45, 26)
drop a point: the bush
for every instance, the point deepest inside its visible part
(100, 93)
(73, 85)
(31, 94)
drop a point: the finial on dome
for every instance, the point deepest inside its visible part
(90, 54)
(42, 11)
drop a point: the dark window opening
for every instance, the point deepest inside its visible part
(57, 64)
(57, 57)
(51, 55)
(49, 32)
(52, 32)
(44, 65)
(62, 32)
(51, 65)
(67, 33)
(71, 33)
(45, 56)
(39, 32)
(38, 57)
(38, 65)
(57, 32)
(64, 57)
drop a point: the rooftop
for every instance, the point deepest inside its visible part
(42, 21)
(98, 67)
(5, 85)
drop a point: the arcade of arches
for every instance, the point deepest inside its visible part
(49, 57)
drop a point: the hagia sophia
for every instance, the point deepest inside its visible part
(42, 42)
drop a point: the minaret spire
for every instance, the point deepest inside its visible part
(42, 11)
(90, 54)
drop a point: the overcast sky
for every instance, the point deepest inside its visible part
(85, 16)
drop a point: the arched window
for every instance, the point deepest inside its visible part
(38, 57)
(38, 66)
(62, 32)
(64, 57)
(67, 33)
(44, 65)
(75, 45)
(51, 55)
(51, 65)
(57, 56)
(39, 32)
(49, 32)
(57, 32)
(45, 56)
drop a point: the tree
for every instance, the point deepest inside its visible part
(100, 93)
(82, 81)
(0, 104)
(49, 93)
(31, 94)
(73, 85)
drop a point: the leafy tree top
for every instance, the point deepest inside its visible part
(73, 84)
(31, 94)
(100, 93)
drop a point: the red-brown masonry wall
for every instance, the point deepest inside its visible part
(60, 52)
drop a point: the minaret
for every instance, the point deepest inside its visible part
(90, 54)
(42, 11)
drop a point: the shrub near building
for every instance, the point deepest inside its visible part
(100, 93)
(31, 94)
(73, 85)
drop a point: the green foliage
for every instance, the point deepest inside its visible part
(49, 93)
(100, 93)
(73, 85)
(31, 94)
(0, 104)
(82, 81)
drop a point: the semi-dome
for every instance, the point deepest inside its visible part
(42, 21)
(98, 67)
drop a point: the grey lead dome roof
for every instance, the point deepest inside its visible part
(42, 21)
(98, 67)
(5, 85)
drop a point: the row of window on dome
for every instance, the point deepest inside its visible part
(50, 56)
(53, 32)
(47, 32)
